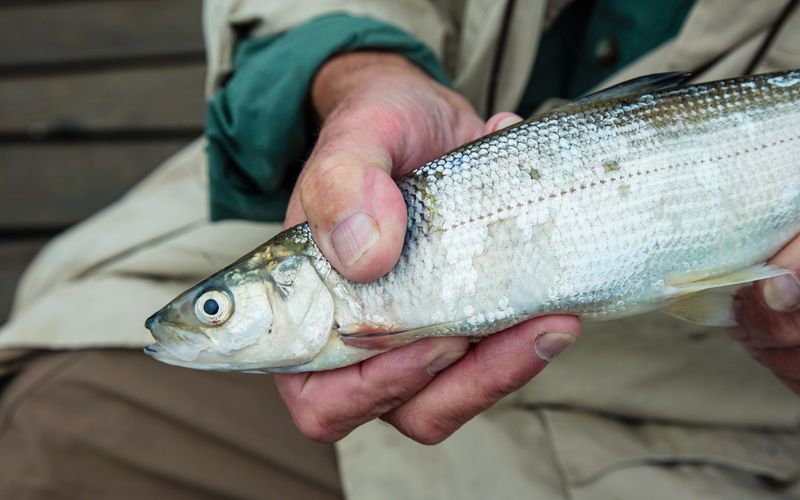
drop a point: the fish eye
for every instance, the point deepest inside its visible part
(213, 307)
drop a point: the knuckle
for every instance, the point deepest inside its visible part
(385, 396)
(430, 437)
(320, 181)
(332, 422)
(377, 400)
(388, 403)
(501, 375)
(370, 118)
(315, 422)
(425, 430)
(380, 116)
(394, 377)
(502, 383)
(318, 428)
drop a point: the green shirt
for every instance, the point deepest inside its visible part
(260, 125)
(610, 35)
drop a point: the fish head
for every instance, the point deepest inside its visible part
(270, 309)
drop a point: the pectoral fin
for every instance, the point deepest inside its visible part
(390, 340)
(710, 301)
(712, 308)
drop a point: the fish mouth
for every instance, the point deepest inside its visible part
(205, 360)
(151, 322)
(178, 347)
(158, 352)
(178, 343)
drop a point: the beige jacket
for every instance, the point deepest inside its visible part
(644, 407)
(465, 33)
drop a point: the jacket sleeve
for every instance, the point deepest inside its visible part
(223, 20)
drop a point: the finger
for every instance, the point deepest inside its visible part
(762, 327)
(782, 293)
(326, 406)
(501, 120)
(793, 384)
(499, 365)
(294, 211)
(356, 211)
(785, 362)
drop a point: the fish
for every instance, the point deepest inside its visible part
(654, 194)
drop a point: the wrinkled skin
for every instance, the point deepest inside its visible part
(768, 314)
(382, 118)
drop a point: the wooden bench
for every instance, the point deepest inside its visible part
(93, 95)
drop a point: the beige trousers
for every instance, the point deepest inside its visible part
(114, 424)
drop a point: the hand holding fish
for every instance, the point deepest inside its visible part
(384, 117)
(769, 319)
(648, 195)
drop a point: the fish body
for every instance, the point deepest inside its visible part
(647, 196)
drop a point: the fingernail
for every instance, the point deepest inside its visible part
(508, 121)
(353, 237)
(551, 344)
(782, 293)
(443, 361)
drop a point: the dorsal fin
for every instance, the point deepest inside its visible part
(636, 86)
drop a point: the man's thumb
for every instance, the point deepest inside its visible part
(356, 212)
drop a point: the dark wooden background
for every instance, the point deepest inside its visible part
(93, 95)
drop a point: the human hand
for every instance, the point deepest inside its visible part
(769, 319)
(382, 118)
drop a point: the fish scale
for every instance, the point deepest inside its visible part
(644, 196)
(585, 219)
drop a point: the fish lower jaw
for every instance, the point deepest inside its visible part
(159, 353)
(179, 344)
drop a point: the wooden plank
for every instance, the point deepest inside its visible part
(15, 255)
(36, 34)
(131, 98)
(56, 185)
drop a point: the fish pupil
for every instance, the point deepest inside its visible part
(211, 307)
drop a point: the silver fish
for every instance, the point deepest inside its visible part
(648, 195)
